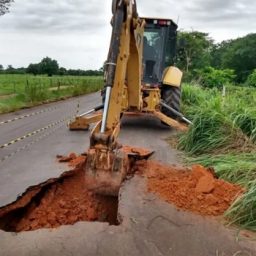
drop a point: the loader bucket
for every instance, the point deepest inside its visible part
(105, 171)
(78, 124)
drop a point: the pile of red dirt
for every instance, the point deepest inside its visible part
(57, 202)
(195, 189)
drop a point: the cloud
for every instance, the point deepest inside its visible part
(219, 14)
(233, 16)
(54, 16)
(77, 32)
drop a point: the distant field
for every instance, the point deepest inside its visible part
(18, 91)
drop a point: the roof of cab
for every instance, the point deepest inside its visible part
(156, 18)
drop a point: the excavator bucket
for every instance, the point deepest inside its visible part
(106, 170)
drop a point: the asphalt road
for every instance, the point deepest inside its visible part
(149, 226)
(32, 160)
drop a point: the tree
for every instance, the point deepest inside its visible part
(1, 67)
(4, 6)
(10, 69)
(49, 66)
(251, 80)
(33, 69)
(62, 71)
(238, 54)
(217, 53)
(193, 50)
(211, 77)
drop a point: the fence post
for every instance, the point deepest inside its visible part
(224, 91)
(223, 95)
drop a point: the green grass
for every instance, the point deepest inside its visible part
(211, 130)
(218, 121)
(28, 90)
(223, 136)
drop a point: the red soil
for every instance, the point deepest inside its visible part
(78, 161)
(194, 189)
(135, 150)
(63, 159)
(58, 202)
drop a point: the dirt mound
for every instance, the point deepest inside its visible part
(58, 202)
(194, 189)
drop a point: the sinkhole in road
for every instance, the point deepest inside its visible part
(56, 202)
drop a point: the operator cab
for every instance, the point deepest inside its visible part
(159, 47)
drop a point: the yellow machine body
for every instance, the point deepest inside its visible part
(107, 164)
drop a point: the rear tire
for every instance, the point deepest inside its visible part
(171, 96)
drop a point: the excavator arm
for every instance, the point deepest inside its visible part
(107, 164)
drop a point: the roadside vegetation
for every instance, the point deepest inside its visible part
(219, 96)
(20, 91)
(223, 136)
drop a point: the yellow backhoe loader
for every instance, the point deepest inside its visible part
(139, 77)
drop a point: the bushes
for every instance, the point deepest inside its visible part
(210, 77)
(251, 80)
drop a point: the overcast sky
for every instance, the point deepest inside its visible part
(77, 32)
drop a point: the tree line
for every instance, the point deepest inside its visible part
(212, 63)
(50, 67)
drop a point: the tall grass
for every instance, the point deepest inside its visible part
(210, 131)
(218, 123)
(245, 119)
(223, 136)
